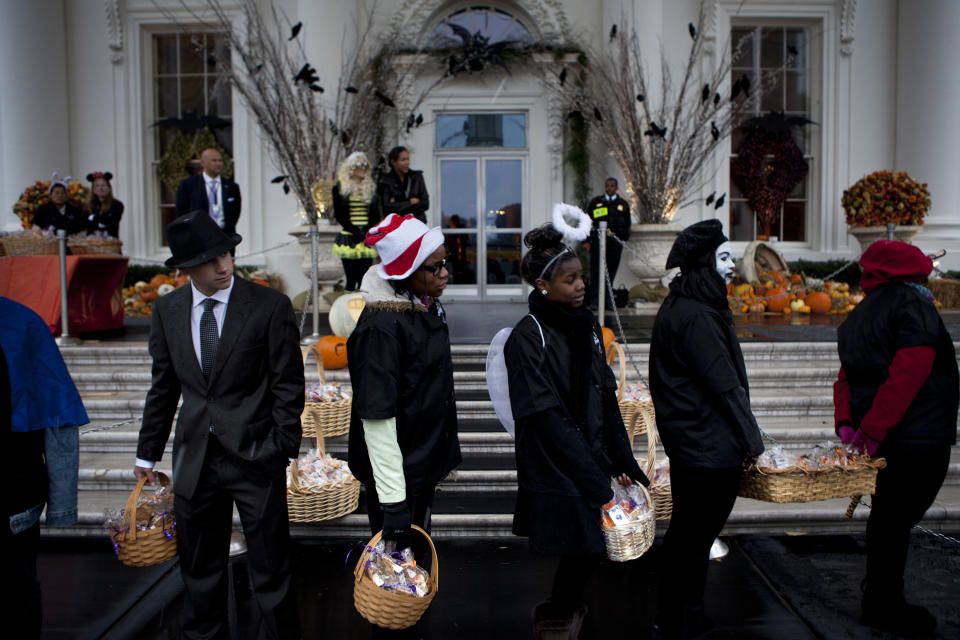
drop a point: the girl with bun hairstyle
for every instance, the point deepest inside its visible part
(570, 437)
(103, 211)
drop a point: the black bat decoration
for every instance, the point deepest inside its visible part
(720, 201)
(351, 90)
(563, 76)
(705, 94)
(278, 179)
(714, 131)
(307, 75)
(597, 115)
(613, 31)
(693, 30)
(710, 198)
(295, 31)
(641, 97)
(385, 99)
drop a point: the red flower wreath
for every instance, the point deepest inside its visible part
(766, 181)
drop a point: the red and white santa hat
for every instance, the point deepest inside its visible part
(403, 243)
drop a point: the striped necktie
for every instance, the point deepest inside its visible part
(209, 340)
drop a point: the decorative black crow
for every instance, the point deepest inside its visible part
(720, 201)
(385, 99)
(735, 90)
(641, 97)
(278, 179)
(613, 31)
(597, 115)
(792, 50)
(419, 120)
(573, 114)
(286, 188)
(258, 68)
(317, 88)
(295, 31)
(710, 198)
(705, 94)
(333, 126)
(351, 90)
(563, 76)
(716, 99)
(714, 131)
(693, 30)
(411, 119)
(745, 83)
(307, 75)
(656, 130)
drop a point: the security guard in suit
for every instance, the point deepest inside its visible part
(615, 211)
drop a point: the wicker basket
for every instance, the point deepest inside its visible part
(321, 502)
(94, 246)
(796, 484)
(662, 493)
(146, 547)
(385, 608)
(29, 244)
(327, 419)
(630, 541)
(631, 408)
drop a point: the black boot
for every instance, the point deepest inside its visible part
(887, 610)
(550, 624)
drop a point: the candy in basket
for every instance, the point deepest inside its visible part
(144, 532)
(628, 522)
(396, 571)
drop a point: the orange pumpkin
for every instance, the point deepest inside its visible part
(796, 279)
(778, 300)
(149, 295)
(778, 277)
(333, 352)
(159, 279)
(819, 302)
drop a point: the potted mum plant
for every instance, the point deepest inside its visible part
(885, 198)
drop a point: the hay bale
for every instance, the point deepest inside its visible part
(946, 291)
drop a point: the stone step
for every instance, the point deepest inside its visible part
(749, 516)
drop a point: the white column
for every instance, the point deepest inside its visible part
(34, 128)
(928, 128)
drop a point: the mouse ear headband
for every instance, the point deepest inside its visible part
(106, 175)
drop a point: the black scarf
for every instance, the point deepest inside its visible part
(576, 325)
(700, 281)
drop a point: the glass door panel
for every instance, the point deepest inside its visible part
(458, 218)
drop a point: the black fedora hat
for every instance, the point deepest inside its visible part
(195, 238)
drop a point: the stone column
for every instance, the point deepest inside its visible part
(34, 127)
(928, 129)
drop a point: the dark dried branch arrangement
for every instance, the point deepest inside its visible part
(660, 148)
(310, 128)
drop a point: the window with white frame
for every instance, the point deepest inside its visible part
(782, 54)
(187, 85)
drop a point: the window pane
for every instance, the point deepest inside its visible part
(797, 38)
(462, 257)
(793, 227)
(458, 194)
(796, 96)
(503, 258)
(167, 103)
(503, 193)
(217, 52)
(800, 190)
(219, 97)
(191, 54)
(165, 53)
(191, 95)
(481, 130)
(741, 221)
(771, 47)
(494, 24)
(773, 98)
(742, 47)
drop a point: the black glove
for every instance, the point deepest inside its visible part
(396, 524)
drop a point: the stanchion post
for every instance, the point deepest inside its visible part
(602, 272)
(65, 339)
(890, 229)
(314, 337)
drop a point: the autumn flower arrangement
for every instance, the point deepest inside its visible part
(39, 193)
(885, 197)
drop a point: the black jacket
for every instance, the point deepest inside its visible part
(895, 316)
(617, 215)
(400, 367)
(699, 386)
(48, 215)
(564, 466)
(192, 196)
(341, 212)
(105, 220)
(254, 396)
(395, 194)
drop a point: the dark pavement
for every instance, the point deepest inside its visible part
(781, 587)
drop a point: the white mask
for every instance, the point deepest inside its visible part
(725, 266)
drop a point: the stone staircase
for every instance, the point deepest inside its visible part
(791, 393)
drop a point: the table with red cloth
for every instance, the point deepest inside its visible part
(94, 297)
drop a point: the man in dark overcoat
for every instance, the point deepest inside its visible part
(230, 349)
(615, 211)
(211, 192)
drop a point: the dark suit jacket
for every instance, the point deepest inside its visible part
(617, 215)
(255, 394)
(192, 196)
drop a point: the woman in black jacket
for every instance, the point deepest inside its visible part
(402, 189)
(103, 211)
(355, 208)
(700, 392)
(570, 437)
(59, 213)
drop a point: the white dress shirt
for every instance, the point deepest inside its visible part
(218, 207)
(196, 311)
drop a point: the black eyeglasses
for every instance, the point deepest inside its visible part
(435, 267)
